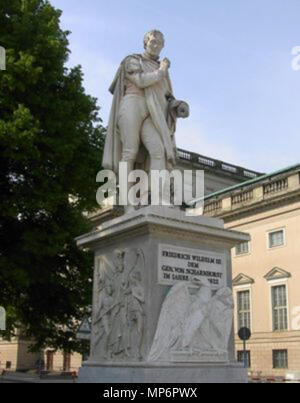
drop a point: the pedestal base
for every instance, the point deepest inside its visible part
(139, 259)
(204, 373)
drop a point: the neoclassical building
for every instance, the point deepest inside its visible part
(266, 271)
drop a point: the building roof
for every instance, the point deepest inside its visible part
(248, 183)
(217, 167)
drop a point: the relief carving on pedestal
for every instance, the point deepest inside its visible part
(194, 325)
(118, 317)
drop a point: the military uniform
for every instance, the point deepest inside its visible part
(134, 121)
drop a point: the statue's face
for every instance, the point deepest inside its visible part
(154, 44)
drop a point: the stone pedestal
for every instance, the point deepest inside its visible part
(187, 373)
(138, 259)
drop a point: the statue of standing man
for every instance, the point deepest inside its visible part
(144, 111)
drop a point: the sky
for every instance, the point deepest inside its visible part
(230, 60)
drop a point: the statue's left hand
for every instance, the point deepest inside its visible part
(180, 109)
(183, 110)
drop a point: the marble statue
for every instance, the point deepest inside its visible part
(118, 323)
(193, 322)
(142, 123)
(152, 320)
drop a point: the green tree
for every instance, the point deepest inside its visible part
(51, 140)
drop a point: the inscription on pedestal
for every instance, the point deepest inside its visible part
(177, 264)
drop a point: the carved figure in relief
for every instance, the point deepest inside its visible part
(104, 318)
(136, 312)
(119, 311)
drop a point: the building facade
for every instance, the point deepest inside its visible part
(15, 356)
(266, 271)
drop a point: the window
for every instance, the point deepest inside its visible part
(276, 238)
(243, 306)
(280, 359)
(67, 362)
(242, 249)
(240, 357)
(279, 308)
(50, 357)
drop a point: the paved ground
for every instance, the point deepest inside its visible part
(15, 377)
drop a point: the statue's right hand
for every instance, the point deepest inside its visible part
(165, 64)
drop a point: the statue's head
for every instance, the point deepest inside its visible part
(154, 42)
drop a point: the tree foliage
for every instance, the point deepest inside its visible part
(51, 141)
